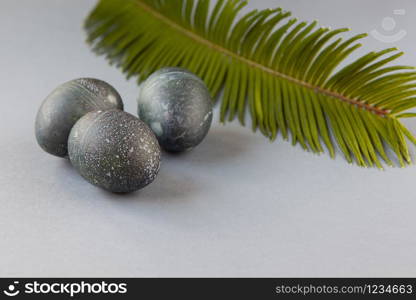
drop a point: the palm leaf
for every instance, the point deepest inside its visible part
(287, 74)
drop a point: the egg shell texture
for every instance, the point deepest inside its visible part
(177, 105)
(66, 105)
(115, 151)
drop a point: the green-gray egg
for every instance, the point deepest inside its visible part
(114, 150)
(66, 105)
(177, 105)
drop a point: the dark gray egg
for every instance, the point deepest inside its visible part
(177, 105)
(114, 150)
(66, 105)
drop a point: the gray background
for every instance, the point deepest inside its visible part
(236, 206)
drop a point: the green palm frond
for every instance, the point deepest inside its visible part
(286, 73)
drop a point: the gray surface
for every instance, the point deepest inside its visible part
(236, 206)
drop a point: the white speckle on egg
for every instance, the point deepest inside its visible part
(157, 128)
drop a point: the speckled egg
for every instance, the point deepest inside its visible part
(66, 105)
(177, 105)
(114, 150)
